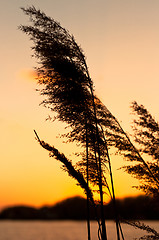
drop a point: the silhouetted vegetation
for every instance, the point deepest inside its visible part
(146, 134)
(68, 89)
(144, 160)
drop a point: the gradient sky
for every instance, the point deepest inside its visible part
(121, 42)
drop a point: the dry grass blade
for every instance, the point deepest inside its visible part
(68, 166)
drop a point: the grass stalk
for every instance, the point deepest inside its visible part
(88, 204)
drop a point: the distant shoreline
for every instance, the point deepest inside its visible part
(138, 208)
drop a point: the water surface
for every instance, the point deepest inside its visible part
(63, 230)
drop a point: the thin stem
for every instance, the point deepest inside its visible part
(104, 235)
(113, 192)
(114, 200)
(88, 204)
(70, 168)
(122, 235)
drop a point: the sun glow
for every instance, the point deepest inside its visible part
(28, 75)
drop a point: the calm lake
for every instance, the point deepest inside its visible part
(62, 230)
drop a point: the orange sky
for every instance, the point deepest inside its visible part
(121, 42)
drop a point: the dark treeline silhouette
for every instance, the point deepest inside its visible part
(75, 208)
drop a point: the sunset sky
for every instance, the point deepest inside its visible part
(121, 42)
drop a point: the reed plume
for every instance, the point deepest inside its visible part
(77, 175)
(68, 89)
